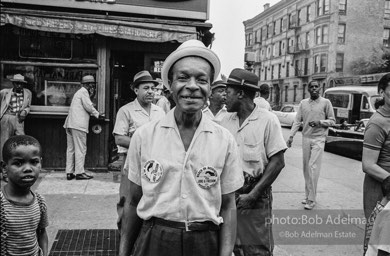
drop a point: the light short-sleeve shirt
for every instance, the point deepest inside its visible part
(132, 116)
(262, 103)
(218, 117)
(377, 136)
(259, 138)
(181, 185)
(380, 235)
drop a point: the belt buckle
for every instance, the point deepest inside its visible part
(187, 225)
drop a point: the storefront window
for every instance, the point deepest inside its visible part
(52, 87)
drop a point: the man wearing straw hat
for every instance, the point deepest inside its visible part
(15, 106)
(129, 118)
(183, 169)
(260, 140)
(76, 127)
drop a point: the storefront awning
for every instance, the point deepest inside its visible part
(147, 32)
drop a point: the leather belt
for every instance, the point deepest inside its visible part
(187, 226)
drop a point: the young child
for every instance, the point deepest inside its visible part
(379, 240)
(23, 212)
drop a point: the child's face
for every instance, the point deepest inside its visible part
(23, 167)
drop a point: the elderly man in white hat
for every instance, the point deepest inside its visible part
(15, 105)
(129, 118)
(76, 127)
(183, 169)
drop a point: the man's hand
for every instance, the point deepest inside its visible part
(315, 123)
(22, 116)
(245, 201)
(289, 142)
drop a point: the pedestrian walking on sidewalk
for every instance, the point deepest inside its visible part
(316, 115)
(76, 127)
(261, 144)
(183, 169)
(23, 213)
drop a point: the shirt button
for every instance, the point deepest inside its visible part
(184, 196)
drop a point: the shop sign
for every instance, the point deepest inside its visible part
(111, 30)
(187, 9)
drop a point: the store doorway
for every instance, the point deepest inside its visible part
(124, 66)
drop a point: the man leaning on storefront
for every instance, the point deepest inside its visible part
(15, 106)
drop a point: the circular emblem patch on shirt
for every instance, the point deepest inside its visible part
(153, 171)
(206, 177)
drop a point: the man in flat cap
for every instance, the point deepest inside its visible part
(183, 169)
(128, 119)
(261, 145)
(76, 127)
(15, 106)
(216, 109)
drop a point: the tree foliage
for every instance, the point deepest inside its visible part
(378, 62)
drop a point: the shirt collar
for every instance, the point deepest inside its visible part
(253, 116)
(169, 121)
(384, 111)
(138, 106)
(316, 100)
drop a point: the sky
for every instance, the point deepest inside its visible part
(227, 17)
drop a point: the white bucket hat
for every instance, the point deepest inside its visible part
(190, 48)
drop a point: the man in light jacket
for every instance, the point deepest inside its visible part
(76, 126)
(15, 106)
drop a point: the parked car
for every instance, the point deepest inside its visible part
(287, 114)
(347, 140)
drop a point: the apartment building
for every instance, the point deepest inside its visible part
(296, 41)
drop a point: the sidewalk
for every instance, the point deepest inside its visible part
(83, 204)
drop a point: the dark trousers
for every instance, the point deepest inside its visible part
(254, 232)
(167, 241)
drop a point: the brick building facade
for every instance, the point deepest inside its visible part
(295, 41)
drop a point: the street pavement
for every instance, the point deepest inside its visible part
(91, 204)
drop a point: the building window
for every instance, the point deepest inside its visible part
(272, 72)
(318, 35)
(275, 27)
(306, 67)
(286, 93)
(317, 64)
(386, 37)
(284, 24)
(287, 69)
(322, 34)
(265, 73)
(295, 92)
(292, 20)
(339, 62)
(276, 53)
(325, 34)
(297, 68)
(308, 13)
(341, 34)
(300, 20)
(279, 70)
(307, 40)
(270, 30)
(264, 33)
(299, 43)
(387, 7)
(291, 45)
(322, 7)
(323, 62)
(343, 7)
(250, 38)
